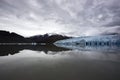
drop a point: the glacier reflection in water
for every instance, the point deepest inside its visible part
(111, 48)
(75, 63)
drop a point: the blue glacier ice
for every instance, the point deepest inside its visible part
(106, 42)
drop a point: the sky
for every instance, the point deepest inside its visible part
(68, 17)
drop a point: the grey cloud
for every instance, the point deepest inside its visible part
(72, 16)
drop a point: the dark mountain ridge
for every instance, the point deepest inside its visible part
(46, 38)
(7, 37)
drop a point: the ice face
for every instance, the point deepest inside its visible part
(79, 42)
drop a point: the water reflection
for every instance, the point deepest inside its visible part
(11, 50)
(7, 49)
(32, 63)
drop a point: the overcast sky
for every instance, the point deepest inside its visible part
(69, 17)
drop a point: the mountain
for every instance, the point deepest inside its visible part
(7, 37)
(48, 39)
(110, 34)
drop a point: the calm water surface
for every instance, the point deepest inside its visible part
(53, 63)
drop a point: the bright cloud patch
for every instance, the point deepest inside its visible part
(70, 17)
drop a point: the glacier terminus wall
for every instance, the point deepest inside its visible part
(92, 41)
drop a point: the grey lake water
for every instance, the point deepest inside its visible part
(56, 63)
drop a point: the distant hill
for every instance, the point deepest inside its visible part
(7, 37)
(46, 38)
(110, 34)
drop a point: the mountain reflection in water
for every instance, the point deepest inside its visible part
(57, 63)
(7, 49)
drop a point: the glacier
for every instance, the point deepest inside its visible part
(104, 42)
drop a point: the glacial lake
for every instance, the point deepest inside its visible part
(57, 63)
